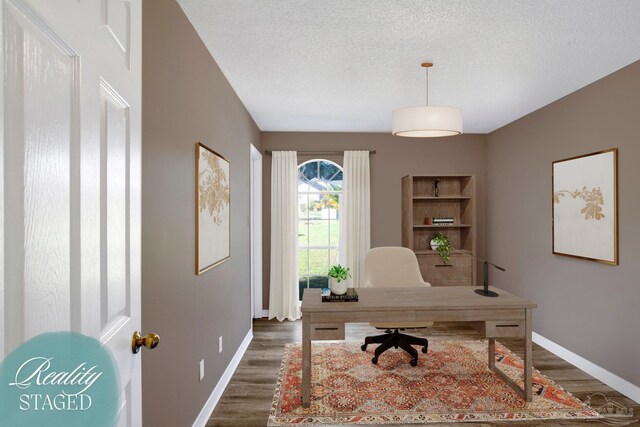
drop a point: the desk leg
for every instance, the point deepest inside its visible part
(492, 353)
(306, 361)
(528, 357)
(526, 391)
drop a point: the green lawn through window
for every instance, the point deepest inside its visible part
(319, 232)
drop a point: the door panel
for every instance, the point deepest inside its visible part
(47, 125)
(116, 20)
(70, 177)
(125, 408)
(114, 147)
(40, 134)
(116, 322)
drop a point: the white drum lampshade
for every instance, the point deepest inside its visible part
(425, 122)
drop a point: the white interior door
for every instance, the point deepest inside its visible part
(70, 176)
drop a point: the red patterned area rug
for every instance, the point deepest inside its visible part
(452, 383)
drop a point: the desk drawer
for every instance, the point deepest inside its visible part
(327, 331)
(504, 329)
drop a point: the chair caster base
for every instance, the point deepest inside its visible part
(396, 340)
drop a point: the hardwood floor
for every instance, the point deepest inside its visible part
(248, 397)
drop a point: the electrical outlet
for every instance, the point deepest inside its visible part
(201, 369)
(220, 345)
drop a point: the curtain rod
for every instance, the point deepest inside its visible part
(319, 153)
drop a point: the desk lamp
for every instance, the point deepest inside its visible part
(485, 292)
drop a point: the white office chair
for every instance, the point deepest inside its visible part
(394, 267)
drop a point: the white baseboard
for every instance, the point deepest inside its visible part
(208, 408)
(621, 385)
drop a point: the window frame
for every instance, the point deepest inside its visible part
(308, 248)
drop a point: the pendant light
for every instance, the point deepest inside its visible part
(427, 121)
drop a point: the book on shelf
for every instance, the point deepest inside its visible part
(440, 220)
(350, 296)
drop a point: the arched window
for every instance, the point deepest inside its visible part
(319, 191)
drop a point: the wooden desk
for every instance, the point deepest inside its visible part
(504, 316)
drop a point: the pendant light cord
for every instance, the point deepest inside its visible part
(427, 79)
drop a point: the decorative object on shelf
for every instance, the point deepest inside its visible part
(212, 209)
(440, 243)
(427, 121)
(485, 292)
(338, 276)
(585, 206)
(436, 189)
(428, 220)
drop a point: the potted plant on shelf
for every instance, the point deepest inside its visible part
(338, 276)
(440, 242)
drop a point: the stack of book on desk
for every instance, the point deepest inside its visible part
(350, 296)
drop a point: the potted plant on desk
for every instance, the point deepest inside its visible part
(338, 276)
(440, 242)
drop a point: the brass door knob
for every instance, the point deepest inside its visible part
(150, 341)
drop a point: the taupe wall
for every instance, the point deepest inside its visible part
(186, 99)
(395, 158)
(587, 307)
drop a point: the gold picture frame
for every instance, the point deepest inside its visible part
(213, 203)
(584, 207)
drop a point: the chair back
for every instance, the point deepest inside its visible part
(392, 267)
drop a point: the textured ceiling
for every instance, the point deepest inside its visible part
(327, 65)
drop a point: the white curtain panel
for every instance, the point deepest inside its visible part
(355, 212)
(283, 294)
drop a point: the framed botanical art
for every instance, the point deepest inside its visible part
(585, 206)
(212, 209)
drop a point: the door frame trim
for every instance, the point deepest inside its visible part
(255, 224)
